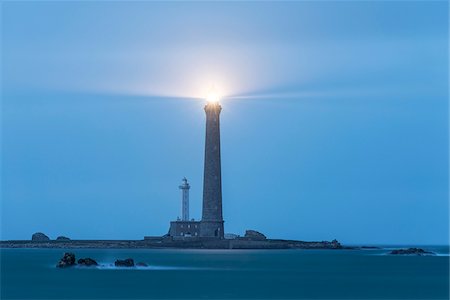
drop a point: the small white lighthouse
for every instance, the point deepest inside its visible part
(184, 187)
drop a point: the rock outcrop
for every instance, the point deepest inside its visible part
(87, 262)
(129, 262)
(141, 264)
(39, 237)
(68, 260)
(254, 235)
(62, 238)
(411, 251)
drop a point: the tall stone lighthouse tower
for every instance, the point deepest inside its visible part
(212, 219)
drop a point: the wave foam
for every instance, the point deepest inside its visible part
(109, 266)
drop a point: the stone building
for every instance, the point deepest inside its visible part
(181, 228)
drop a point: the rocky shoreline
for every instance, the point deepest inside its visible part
(163, 242)
(251, 240)
(198, 243)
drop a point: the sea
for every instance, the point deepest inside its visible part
(227, 274)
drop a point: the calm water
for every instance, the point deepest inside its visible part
(194, 274)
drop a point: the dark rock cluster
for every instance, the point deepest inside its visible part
(68, 260)
(62, 238)
(411, 251)
(129, 262)
(88, 262)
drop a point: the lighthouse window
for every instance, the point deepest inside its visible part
(181, 226)
(189, 226)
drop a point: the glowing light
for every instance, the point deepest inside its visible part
(213, 96)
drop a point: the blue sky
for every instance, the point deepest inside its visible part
(334, 120)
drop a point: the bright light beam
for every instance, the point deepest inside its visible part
(213, 96)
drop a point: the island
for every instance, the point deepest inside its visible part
(251, 240)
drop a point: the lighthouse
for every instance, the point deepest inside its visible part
(211, 224)
(212, 218)
(184, 187)
(184, 228)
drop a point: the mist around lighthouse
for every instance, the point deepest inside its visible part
(224, 150)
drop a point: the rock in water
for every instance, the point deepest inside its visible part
(62, 238)
(68, 260)
(87, 262)
(411, 251)
(39, 237)
(141, 264)
(254, 235)
(129, 262)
